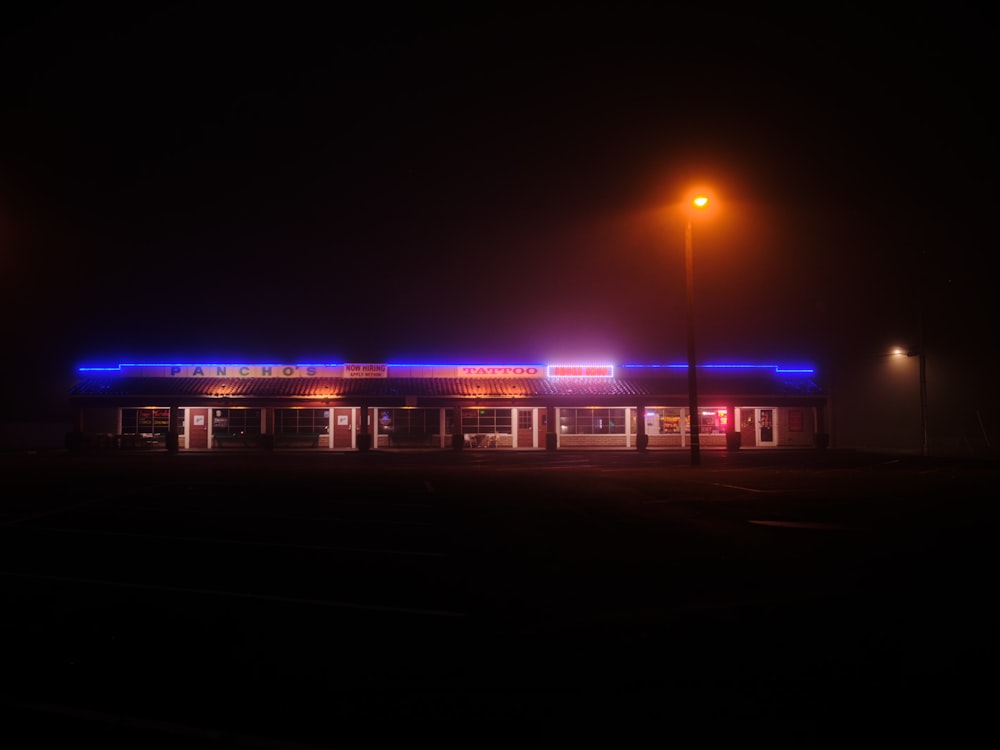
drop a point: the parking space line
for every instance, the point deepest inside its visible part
(802, 525)
(739, 487)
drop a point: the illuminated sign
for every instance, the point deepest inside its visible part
(371, 370)
(581, 371)
(243, 371)
(381, 370)
(497, 371)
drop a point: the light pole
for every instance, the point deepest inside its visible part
(922, 358)
(700, 201)
(922, 354)
(919, 353)
(922, 362)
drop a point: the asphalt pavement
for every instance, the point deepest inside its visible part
(578, 599)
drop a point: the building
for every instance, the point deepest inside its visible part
(373, 406)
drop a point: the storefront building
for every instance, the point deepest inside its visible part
(378, 406)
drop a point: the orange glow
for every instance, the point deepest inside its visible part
(701, 202)
(699, 195)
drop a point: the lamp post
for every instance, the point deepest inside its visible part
(922, 362)
(922, 358)
(698, 202)
(919, 353)
(922, 355)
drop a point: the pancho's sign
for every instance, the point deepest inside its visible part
(352, 370)
(244, 371)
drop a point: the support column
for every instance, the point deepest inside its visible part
(364, 433)
(74, 438)
(641, 438)
(267, 437)
(822, 436)
(551, 436)
(173, 434)
(733, 438)
(457, 438)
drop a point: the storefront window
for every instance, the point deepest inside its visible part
(711, 421)
(409, 421)
(145, 421)
(592, 421)
(236, 421)
(302, 421)
(663, 421)
(486, 421)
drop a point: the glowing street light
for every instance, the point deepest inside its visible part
(919, 352)
(699, 202)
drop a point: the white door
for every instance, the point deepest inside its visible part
(765, 427)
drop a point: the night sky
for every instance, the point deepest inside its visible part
(493, 183)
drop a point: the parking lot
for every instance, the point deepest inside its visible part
(572, 599)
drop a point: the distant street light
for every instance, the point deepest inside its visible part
(921, 356)
(919, 352)
(699, 202)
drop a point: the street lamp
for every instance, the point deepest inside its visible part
(922, 359)
(698, 202)
(919, 353)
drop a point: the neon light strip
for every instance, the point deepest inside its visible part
(609, 368)
(200, 364)
(464, 364)
(775, 368)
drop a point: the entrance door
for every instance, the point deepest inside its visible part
(525, 428)
(343, 429)
(197, 425)
(765, 426)
(748, 427)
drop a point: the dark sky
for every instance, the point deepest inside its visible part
(491, 183)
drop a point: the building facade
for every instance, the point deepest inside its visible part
(378, 406)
